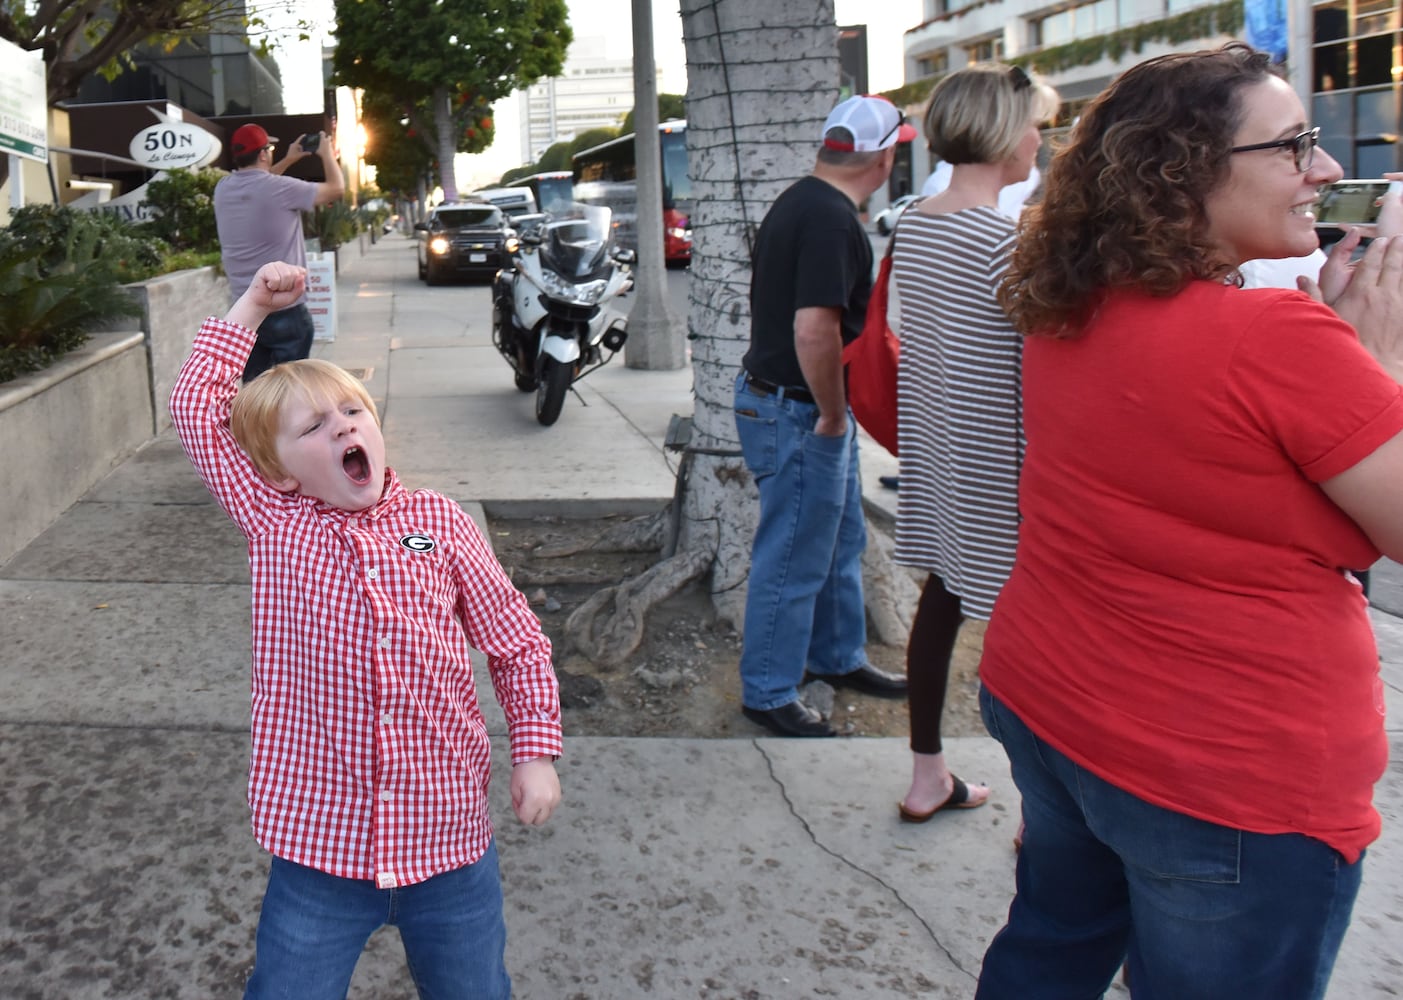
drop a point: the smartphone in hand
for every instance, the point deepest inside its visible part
(310, 142)
(1353, 202)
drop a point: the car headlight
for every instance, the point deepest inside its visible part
(439, 244)
(512, 245)
(678, 233)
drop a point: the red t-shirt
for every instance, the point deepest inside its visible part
(1179, 620)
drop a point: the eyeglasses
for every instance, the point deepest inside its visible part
(1302, 148)
(900, 121)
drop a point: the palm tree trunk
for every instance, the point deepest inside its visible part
(744, 149)
(447, 143)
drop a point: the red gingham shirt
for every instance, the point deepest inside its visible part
(370, 756)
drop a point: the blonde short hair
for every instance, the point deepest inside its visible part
(979, 114)
(258, 408)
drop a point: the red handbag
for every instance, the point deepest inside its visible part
(871, 364)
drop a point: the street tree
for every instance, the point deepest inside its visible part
(81, 37)
(671, 107)
(446, 62)
(742, 153)
(401, 157)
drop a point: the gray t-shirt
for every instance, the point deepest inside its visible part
(259, 219)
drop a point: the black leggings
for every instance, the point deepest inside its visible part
(928, 652)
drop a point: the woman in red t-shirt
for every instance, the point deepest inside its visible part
(1181, 667)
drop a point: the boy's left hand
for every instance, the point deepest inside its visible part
(535, 790)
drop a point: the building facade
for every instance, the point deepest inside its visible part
(1342, 56)
(593, 91)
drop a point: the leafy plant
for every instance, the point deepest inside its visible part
(46, 309)
(335, 224)
(183, 209)
(45, 231)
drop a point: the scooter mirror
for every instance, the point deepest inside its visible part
(531, 238)
(625, 256)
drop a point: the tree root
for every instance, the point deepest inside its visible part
(637, 534)
(608, 627)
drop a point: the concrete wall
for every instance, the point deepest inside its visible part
(173, 307)
(64, 428)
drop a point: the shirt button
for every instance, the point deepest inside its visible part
(385, 642)
(386, 718)
(386, 795)
(374, 573)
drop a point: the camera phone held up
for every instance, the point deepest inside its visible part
(310, 142)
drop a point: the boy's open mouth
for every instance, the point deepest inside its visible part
(357, 465)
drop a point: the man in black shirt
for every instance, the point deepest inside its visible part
(811, 276)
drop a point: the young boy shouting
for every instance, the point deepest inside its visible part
(369, 772)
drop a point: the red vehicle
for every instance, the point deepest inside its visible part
(607, 175)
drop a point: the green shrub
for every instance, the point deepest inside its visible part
(49, 301)
(182, 204)
(46, 231)
(182, 260)
(335, 224)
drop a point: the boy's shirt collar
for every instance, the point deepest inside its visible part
(391, 496)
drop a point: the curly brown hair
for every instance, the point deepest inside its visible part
(1123, 205)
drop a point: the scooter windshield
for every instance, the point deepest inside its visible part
(575, 240)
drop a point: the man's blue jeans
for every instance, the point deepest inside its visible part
(804, 606)
(1199, 910)
(314, 927)
(285, 335)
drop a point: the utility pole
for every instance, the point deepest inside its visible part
(655, 339)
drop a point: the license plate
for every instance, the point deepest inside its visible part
(477, 258)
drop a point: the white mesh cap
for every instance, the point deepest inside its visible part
(875, 123)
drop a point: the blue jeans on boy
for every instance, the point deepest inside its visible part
(314, 927)
(1197, 909)
(285, 335)
(804, 605)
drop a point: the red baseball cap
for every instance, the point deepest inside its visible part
(249, 139)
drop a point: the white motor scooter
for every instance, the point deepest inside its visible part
(549, 317)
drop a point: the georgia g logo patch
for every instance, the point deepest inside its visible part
(418, 543)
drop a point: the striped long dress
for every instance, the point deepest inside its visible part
(959, 404)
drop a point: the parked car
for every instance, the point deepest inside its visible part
(886, 218)
(463, 239)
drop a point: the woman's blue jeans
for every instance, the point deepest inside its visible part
(314, 927)
(804, 603)
(1199, 911)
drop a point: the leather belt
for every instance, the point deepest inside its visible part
(762, 388)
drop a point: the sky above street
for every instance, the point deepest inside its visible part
(608, 20)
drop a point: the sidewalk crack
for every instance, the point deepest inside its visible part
(873, 876)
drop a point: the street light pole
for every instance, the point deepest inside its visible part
(655, 339)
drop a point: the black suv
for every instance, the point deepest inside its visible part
(463, 239)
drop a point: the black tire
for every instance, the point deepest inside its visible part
(526, 383)
(423, 271)
(550, 393)
(882, 226)
(433, 275)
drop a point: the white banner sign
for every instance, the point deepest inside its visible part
(321, 294)
(24, 103)
(173, 143)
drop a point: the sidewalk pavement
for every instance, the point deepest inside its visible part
(756, 868)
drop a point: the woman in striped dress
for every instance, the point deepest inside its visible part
(958, 395)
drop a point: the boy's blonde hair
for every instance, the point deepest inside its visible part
(258, 408)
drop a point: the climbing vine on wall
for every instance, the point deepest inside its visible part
(1201, 22)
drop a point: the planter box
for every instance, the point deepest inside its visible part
(173, 307)
(64, 428)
